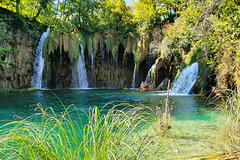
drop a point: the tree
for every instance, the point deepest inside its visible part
(84, 15)
(115, 15)
(17, 5)
(150, 13)
(43, 5)
(7, 3)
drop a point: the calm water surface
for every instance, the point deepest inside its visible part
(23, 104)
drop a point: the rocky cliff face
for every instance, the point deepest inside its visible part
(110, 72)
(61, 53)
(106, 68)
(22, 58)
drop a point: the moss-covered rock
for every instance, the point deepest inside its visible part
(22, 56)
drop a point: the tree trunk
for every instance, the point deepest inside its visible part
(17, 5)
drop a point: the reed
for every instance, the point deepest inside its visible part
(231, 108)
(114, 135)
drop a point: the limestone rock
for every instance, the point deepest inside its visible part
(22, 58)
(146, 86)
(163, 85)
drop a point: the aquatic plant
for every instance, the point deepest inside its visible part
(48, 135)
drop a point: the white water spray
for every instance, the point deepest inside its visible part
(134, 76)
(92, 62)
(186, 80)
(38, 65)
(150, 74)
(80, 74)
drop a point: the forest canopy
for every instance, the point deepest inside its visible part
(96, 16)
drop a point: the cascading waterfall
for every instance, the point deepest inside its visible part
(186, 80)
(102, 48)
(134, 76)
(150, 75)
(39, 62)
(92, 63)
(80, 74)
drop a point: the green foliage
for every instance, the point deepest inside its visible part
(135, 51)
(5, 48)
(7, 90)
(27, 8)
(89, 43)
(48, 46)
(11, 90)
(230, 106)
(68, 43)
(109, 42)
(148, 14)
(30, 26)
(117, 16)
(85, 19)
(207, 32)
(115, 51)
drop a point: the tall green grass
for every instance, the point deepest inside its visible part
(231, 107)
(113, 135)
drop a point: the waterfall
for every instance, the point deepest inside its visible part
(150, 74)
(102, 48)
(150, 48)
(92, 63)
(39, 62)
(186, 80)
(80, 74)
(134, 76)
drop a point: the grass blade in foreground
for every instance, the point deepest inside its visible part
(106, 136)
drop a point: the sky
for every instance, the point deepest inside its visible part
(128, 1)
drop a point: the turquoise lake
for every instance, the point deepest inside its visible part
(186, 107)
(194, 130)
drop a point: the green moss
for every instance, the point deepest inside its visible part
(11, 90)
(109, 42)
(194, 55)
(8, 90)
(49, 45)
(5, 47)
(80, 37)
(89, 45)
(204, 75)
(73, 47)
(76, 52)
(115, 51)
(45, 48)
(135, 51)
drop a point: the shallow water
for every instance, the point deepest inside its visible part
(23, 104)
(195, 130)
